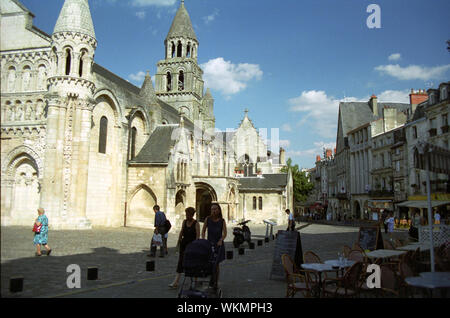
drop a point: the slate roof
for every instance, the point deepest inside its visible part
(181, 25)
(267, 182)
(356, 114)
(157, 147)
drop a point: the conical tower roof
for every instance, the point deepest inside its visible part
(75, 16)
(181, 25)
(208, 94)
(147, 89)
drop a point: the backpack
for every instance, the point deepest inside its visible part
(167, 225)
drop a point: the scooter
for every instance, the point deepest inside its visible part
(241, 234)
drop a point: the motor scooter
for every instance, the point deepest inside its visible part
(241, 234)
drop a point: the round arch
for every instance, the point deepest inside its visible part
(205, 196)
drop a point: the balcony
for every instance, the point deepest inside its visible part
(381, 193)
(444, 129)
(432, 132)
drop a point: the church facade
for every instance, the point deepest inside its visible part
(93, 149)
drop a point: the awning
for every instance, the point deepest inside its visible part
(422, 204)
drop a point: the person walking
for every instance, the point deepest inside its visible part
(390, 224)
(291, 221)
(437, 218)
(160, 228)
(41, 237)
(190, 231)
(217, 232)
(383, 219)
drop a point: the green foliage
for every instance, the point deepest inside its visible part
(302, 186)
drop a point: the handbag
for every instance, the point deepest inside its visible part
(37, 229)
(157, 240)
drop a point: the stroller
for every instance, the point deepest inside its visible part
(199, 263)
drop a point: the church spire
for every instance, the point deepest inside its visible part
(147, 89)
(182, 25)
(75, 16)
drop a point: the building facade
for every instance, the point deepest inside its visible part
(93, 149)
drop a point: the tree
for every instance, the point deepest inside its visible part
(302, 186)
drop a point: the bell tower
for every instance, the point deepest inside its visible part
(70, 103)
(178, 80)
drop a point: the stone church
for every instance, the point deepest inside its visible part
(93, 149)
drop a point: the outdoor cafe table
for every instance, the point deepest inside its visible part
(384, 253)
(319, 268)
(413, 247)
(430, 280)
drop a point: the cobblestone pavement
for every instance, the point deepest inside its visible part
(121, 255)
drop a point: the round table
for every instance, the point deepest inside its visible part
(319, 268)
(436, 275)
(335, 263)
(429, 281)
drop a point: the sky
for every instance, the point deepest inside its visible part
(288, 62)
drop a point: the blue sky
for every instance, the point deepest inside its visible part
(289, 62)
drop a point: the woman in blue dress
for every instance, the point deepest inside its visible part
(217, 232)
(41, 238)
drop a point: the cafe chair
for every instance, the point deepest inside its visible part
(390, 284)
(356, 255)
(345, 286)
(295, 280)
(363, 288)
(405, 270)
(346, 250)
(311, 257)
(356, 246)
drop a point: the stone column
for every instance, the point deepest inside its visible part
(51, 196)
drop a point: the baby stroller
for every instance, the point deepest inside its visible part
(199, 263)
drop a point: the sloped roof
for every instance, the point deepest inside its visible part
(356, 114)
(267, 182)
(181, 25)
(157, 147)
(115, 78)
(75, 16)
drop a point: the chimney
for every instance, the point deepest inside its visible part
(329, 153)
(282, 156)
(335, 151)
(415, 98)
(317, 158)
(373, 102)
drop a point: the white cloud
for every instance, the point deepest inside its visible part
(211, 17)
(284, 143)
(316, 150)
(286, 127)
(141, 14)
(320, 111)
(157, 3)
(229, 78)
(138, 77)
(413, 72)
(394, 96)
(395, 57)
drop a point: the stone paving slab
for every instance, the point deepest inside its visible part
(121, 256)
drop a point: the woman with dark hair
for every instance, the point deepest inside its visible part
(217, 232)
(190, 231)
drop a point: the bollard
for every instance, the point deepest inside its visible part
(16, 284)
(252, 245)
(241, 251)
(260, 242)
(92, 273)
(229, 254)
(273, 237)
(150, 266)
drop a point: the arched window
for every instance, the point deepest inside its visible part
(173, 50)
(254, 203)
(68, 61)
(169, 81)
(103, 135)
(179, 49)
(188, 51)
(181, 81)
(80, 70)
(133, 142)
(260, 203)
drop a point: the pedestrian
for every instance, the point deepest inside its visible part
(383, 219)
(160, 228)
(190, 231)
(291, 221)
(390, 224)
(217, 232)
(414, 229)
(41, 237)
(437, 218)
